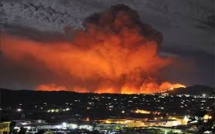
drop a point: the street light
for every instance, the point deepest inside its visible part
(19, 110)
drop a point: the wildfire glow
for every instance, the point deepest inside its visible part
(114, 53)
(147, 89)
(51, 87)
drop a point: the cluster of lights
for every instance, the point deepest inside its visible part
(139, 111)
(58, 110)
(65, 125)
(207, 117)
(141, 123)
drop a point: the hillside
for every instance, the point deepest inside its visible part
(58, 97)
(194, 90)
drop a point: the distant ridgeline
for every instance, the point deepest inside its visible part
(58, 97)
(194, 90)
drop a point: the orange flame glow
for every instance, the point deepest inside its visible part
(51, 87)
(146, 89)
(114, 53)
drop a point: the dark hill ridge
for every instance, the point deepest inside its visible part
(194, 90)
(21, 96)
(59, 97)
(8, 96)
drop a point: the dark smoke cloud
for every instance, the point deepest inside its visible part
(24, 18)
(106, 20)
(114, 52)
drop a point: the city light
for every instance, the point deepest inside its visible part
(139, 111)
(107, 67)
(207, 117)
(73, 126)
(19, 110)
(64, 125)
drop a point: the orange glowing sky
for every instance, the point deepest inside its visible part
(114, 53)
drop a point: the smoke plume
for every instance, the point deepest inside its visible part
(115, 53)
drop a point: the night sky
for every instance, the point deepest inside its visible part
(187, 29)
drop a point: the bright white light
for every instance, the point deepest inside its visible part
(204, 95)
(39, 121)
(27, 127)
(64, 124)
(186, 119)
(208, 132)
(88, 127)
(73, 126)
(19, 110)
(17, 128)
(24, 123)
(58, 126)
(175, 123)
